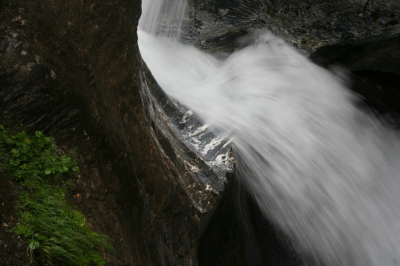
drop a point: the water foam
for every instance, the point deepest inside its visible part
(322, 170)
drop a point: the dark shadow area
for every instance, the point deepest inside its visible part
(379, 90)
(239, 234)
(223, 241)
(374, 64)
(379, 54)
(266, 245)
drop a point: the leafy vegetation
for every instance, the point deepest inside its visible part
(58, 233)
(32, 157)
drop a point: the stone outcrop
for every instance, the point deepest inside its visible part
(307, 24)
(73, 70)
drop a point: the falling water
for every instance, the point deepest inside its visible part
(325, 172)
(163, 17)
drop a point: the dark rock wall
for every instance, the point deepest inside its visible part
(223, 241)
(373, 66)
(73, 69)
(381, 53)
(308, 24)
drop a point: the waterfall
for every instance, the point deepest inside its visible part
(163, 17)
(322, 170)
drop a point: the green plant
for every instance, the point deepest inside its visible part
(58, 233)
(34, 155)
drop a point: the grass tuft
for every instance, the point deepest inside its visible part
(58, 233)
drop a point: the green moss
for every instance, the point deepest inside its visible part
(58, 233)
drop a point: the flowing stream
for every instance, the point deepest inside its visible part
(322, 170)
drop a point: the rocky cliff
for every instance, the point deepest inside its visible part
(73, 70)
(307, 24)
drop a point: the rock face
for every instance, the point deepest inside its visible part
(74, 71)
(374, 64)
(307, 24)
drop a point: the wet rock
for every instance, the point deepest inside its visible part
(213, 25)
(222, 242)
(82, 81)
(380, 53)
(374, 66)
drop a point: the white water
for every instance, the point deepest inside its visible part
(163, 17)
(326, 173)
